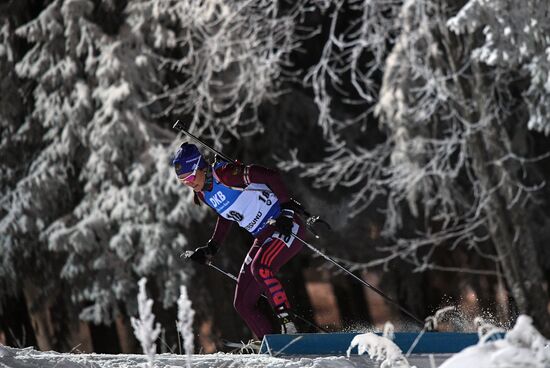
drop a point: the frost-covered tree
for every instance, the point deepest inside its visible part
(11, 117)
(97, 194)
(424, 106)
(462, 85)
(35, 174)
(515, 40)
(226, 58)
(515, 49)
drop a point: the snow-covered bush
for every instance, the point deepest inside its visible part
(185, 323)
(380, 349)
(522, 347)
(145, 329)
(389, 331)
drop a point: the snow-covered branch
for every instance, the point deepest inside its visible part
(229, 57)
(436, 104)
(185, 323)
(145, 329)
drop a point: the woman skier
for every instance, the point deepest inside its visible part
(256, 198)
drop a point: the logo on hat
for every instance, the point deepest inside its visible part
(188, 159)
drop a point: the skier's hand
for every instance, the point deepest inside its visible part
(205, 254)
(283, 223)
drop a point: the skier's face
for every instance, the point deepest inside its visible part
(194, 180)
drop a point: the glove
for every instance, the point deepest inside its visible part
(205, 254)
(284, 222)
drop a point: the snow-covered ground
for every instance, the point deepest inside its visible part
(522, 347)
(29, 358)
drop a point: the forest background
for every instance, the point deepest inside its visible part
(418, 129)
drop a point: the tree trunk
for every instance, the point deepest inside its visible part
(39, 313)
(80, 337)
(104, 338)
(126, 339)
(351, 301)
(508, 227)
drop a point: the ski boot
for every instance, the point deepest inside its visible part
(287, 325)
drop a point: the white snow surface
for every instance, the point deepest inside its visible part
(522, 347)
(29, 358)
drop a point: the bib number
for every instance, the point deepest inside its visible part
(264, 196)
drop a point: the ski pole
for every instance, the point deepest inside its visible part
(230, 275)
(372, 287)
(234, 278)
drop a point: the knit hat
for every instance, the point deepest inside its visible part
(188, 159)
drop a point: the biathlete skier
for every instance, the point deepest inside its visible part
(256, 198)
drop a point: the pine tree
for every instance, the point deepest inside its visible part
(95, 200)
